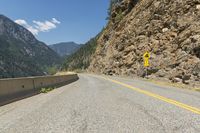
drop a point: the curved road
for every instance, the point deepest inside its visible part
(96, 104)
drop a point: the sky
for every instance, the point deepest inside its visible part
(54, 21)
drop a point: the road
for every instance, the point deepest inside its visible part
(96, 104)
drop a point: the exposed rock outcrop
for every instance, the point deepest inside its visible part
(168, 29)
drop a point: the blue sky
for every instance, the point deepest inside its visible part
(54, 21)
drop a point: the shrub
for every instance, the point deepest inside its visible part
(46, 90)
(119, 16)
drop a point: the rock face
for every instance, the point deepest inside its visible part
(168, 29)
(21, 54)
(65, 48)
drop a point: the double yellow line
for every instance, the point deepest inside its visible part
(167, 100)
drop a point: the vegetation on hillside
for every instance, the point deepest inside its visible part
(15, 62)
(112, 3)
(65, 48)
(46, 90)
(81, 58)
(21, 54)
(52, 70)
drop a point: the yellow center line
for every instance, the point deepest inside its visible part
(167, 100)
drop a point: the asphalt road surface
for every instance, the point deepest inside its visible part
(96, 104)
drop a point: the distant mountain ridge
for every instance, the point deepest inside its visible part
(21, 54)
(65, 48)
(81, 59)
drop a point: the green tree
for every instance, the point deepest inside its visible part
(112, 4)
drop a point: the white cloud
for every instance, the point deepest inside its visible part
(21, 22)
(44, 26)
(55, 21)
(27, 26)
(33, 30)
(39, 26)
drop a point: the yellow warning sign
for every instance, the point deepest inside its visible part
(146, 62)
(146, 59)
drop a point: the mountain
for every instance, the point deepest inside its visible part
(65, 48)
(82, 57)
(21, 54)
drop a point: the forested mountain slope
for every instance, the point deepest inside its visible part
(21, 54)
(65, 48)
(81, 59)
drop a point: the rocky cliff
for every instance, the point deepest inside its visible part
(168, 29)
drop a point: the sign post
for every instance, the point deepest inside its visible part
(146, 57)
